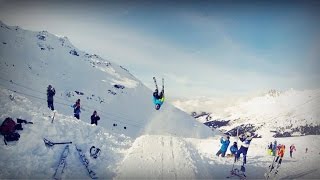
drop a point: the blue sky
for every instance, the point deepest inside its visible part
(201, 49)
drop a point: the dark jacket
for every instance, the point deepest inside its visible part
(76, 109)
(50, 94)
(94, 119)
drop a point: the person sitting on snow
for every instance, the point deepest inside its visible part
(224, 146)
(245, 141)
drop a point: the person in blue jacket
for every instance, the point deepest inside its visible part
(234, 149)
(274, 149)
(224, 146)
(158, 99)
(245, 141)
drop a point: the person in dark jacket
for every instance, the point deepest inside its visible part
(224, 146)
(76, 109)
(234, 149)
(95, 118)
(50, 93)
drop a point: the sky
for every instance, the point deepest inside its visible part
(206, 48)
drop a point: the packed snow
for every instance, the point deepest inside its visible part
(165, 144)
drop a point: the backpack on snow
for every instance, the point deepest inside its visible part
(7, 129)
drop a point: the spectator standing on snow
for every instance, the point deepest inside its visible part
(76, 109)
(281, 150)
(95, 118)
(292, 147)
(224, 146)
(50, 93)
(270, 149)
(274, 149)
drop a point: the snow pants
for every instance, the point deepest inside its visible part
(243, 151)
(223, 153)
(50, 105)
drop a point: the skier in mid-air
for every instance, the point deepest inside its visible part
(158, 99)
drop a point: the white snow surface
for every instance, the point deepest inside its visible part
(273, 110)
(165, 144)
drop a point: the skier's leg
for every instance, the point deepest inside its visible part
(218, 153)
(223, 154)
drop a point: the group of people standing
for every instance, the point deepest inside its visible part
(76, 107)
(244, 142)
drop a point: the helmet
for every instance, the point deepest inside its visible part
(248, 134)
(157, 106)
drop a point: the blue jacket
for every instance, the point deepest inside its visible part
(224, 144)
(158, 101)
(233, 149)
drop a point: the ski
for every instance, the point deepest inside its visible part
(238, 173)
(50, 144)
(54, 113)
(155, 82)
(163, 84)
(85, 162)
(271, 167)
(62, 163)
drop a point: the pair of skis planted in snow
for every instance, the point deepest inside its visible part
(240, 173)
(62, 162)
(272, 170)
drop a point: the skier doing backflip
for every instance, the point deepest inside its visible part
(158, 99)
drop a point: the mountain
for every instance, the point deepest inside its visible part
(275, 113)
(136, 141)
(30, 61)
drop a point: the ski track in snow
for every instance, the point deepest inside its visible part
(167, 146)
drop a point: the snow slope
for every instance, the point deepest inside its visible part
(273, 111)
(30, 61)
(165, 144)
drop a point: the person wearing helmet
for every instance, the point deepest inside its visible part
(158, 99)
(245, 141)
